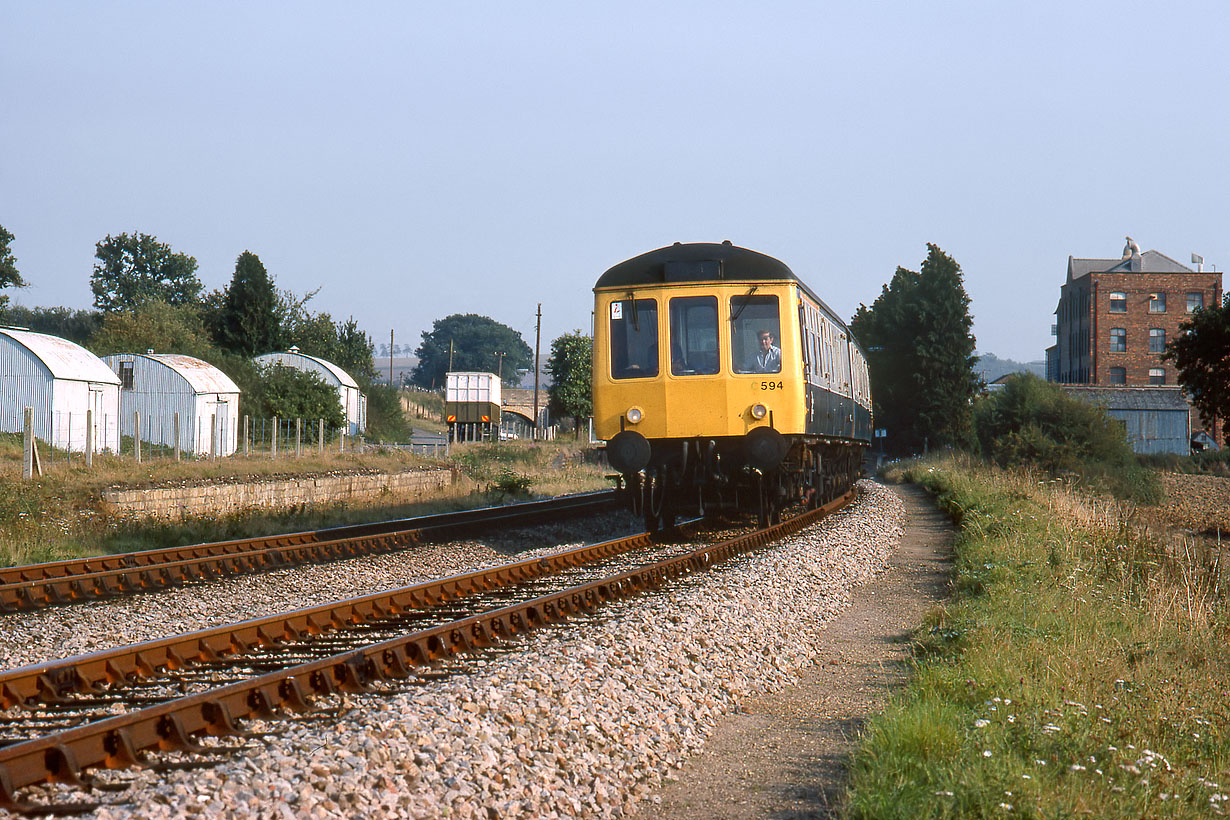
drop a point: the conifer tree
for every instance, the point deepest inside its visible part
(920, 353)
(247, 323)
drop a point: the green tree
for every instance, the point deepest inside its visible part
(571, 369)
(920, 353)
(247, 323)
(75, 325)
(9, 277)
(1201, 354)
(135, 269)
(288, 393)
(157, 326)
(354, 351)
(477, 343)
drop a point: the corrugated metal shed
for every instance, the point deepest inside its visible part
(161, 386)
(1156, 419)
(354, 403)
(202, 376)
(65, 384)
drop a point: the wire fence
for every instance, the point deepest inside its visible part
(56, 437)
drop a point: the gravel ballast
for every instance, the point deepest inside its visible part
(573, 723)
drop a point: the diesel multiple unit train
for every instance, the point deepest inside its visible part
(721, 381)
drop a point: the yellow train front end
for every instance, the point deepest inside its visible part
(682, 361)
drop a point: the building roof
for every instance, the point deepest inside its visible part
(201, 376)
(292, 357)
(1131, 398)
(66, 360)
(1147, 262)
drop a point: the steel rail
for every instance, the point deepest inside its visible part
(53, 681)
(118, 741)
(59, 582)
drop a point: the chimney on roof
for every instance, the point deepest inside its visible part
(1132, 251)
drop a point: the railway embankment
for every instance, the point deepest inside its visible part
(1081, 669)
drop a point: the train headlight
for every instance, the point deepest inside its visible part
(634, 415)
(759, 411)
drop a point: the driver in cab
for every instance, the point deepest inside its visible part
(769, 358)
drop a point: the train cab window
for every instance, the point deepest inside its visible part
(694, 336)
(634, 339)
(755, 334)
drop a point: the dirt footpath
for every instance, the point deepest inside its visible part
(784, 754)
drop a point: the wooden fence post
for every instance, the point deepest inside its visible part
(28, 451)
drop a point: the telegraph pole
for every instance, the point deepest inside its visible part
(391, 357)
(537, 344)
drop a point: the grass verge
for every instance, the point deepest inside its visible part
(58, 516)
(1081, 669)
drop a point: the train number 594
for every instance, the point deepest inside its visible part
(772, 386)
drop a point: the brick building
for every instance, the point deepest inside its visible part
(1115, 317)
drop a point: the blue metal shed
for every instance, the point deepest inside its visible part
(1156, 419)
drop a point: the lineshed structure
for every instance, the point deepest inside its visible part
(160, 385)
(354, 403)
(1155, 419)
(65, 384)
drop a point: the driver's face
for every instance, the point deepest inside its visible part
(766, 341)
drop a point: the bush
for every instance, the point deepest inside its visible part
(386, 421)
(1034, 423)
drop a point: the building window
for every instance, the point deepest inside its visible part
(1117, 375)
(1157, 303)
(1195, 301)
(1118, 340)
(1157, 340)
(1157, 375)
(126, 375)
(1118, 302)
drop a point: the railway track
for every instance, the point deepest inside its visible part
(109, 709)
(63, 582)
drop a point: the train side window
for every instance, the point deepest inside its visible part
(750, 318)
(634, 339)
(694, 336)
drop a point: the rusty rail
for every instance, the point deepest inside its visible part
(118, 741)
(60, 582)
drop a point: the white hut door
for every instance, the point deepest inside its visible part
(218, 417)
(97, 420)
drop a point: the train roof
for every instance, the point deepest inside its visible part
(696, 262)
(704, 262)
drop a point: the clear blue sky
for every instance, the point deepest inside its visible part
(419, 159)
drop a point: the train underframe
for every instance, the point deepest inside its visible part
(760, 475)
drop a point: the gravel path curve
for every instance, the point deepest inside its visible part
(570, 725)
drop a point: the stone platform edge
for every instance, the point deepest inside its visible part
(228, 498)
